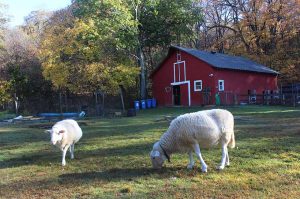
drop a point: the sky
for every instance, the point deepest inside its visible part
(18, 9)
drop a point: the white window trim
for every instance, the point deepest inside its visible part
(195, 88)
(223, 83)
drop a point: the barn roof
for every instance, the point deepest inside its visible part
(223, 61)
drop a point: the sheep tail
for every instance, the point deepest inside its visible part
(231, 143)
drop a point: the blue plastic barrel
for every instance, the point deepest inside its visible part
(136, 105)
(149, 103)
(59, 114)
(143, 104)
(153, 103)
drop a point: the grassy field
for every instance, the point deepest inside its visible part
(112, 159)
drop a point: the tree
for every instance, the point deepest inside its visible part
(263, 30)
(162, 23)
(20, 66)
(34, 25)
(77, 57)
(140, 28)
(3, 21)
(5, 97)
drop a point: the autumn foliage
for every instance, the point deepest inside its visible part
(96, 45)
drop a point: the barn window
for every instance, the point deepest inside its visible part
(221, 85)
(198, 85)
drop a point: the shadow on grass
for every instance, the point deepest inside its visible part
(36, 188)
(48, 156)
(117, 174)
(22, 137)
(27, 135)
(31, 159)
(136, 149)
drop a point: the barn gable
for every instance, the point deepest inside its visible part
(223, 61)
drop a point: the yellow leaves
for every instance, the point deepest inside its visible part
(125, 75)
(108, 78)
(56, 72)
(84, 56)
(58, 51)
(5, 97)
(96, 71)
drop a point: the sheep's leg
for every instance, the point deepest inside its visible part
(192, 162)
(64, 151)
(199, 156)
(227, 159)
(224, 157)
(72, 151)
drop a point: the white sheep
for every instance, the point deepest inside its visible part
(188, 132)
(64, 134)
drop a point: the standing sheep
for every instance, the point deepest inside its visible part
(64, 134)
(188, 132)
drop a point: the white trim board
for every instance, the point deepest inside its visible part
(178, 68)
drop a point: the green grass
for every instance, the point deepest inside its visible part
(112, 159)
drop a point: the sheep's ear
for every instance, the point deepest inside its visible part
(61, 131)
(47, 131)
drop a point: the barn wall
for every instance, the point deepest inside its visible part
(198, 70)
(240, 82)
(161, 82)
(195, 70)
(237, 82)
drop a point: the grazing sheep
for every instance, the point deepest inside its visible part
(188, 132)
(64, 134)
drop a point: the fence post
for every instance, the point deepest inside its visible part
(294, 100)
(60, 103)
(235, 99)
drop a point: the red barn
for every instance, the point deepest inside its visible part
(191, 77)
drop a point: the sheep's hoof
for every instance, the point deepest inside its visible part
(204, 170)
(190, 166)
(220, 168)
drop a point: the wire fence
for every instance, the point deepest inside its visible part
(91, 103)
(229, 98)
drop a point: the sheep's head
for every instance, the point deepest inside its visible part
(56, 135)
(157, 157)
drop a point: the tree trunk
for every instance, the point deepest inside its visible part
(16, 104)
(103, 95)
(96, 103)
(122, 99)
(143, 73)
